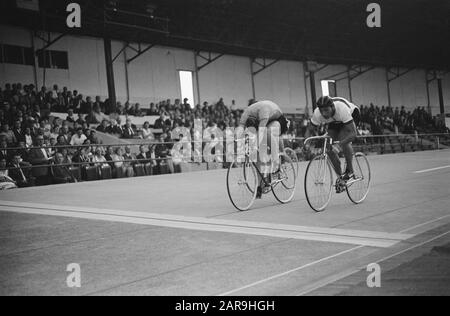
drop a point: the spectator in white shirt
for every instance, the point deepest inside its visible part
(147, 132)
(79, 138)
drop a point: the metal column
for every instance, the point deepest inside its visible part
(110, 71)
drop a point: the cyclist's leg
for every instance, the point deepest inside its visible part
(334, 157)
(348, 149)
(275, 143)
(348, 152)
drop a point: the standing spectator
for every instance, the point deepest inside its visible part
(99, 104)
(88, 106)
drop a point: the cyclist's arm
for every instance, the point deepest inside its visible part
(314, 128)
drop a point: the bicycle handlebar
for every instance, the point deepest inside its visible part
(326, 136)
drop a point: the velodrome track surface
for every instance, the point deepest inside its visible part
(180, 235)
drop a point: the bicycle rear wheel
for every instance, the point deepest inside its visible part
(291, 153)
(284, 189)
(242, 183)
(358, 189)
(318, 183)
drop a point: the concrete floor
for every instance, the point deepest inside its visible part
(180, 235)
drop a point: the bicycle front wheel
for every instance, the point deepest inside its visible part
(318, 183)
(285, 183)
(358, 189)
(242, 183)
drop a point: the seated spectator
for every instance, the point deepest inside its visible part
(28, 138)
(145, 157)
(109, 156)
(116, 129)
(104, 127)
(119, 165)
(93, 137)
(130, 161)
(162, 154)
(51, 147)
(70, 117)
(147, 132)
(100, 160)
(67, 157)
(79, 138)
(128, 131)
(8, 135)
(153, 110)
(6, 182)
(160, 123)
(60, 172)
(39, 157)
(19, 134)
(80, 120)
(4, 152)
(82, 156)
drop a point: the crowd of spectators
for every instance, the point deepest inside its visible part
(29, 136)
(399, 120)
(25, 123)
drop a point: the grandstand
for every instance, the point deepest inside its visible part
(101, 108)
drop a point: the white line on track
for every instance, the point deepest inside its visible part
(343, 275)
(433, 169)
(333, 235)
(290, 271)
(424, 224)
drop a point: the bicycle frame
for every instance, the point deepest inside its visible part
(328, 141)
(247, 160)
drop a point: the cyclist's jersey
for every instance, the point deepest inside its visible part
(263, 111)
(344, 113)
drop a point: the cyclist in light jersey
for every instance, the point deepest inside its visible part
(342, 117)
(265, 114)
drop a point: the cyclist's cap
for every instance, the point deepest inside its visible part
(324, 102)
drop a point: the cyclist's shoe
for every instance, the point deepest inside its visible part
(347, 176)
(341, 182)
(259, 193)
